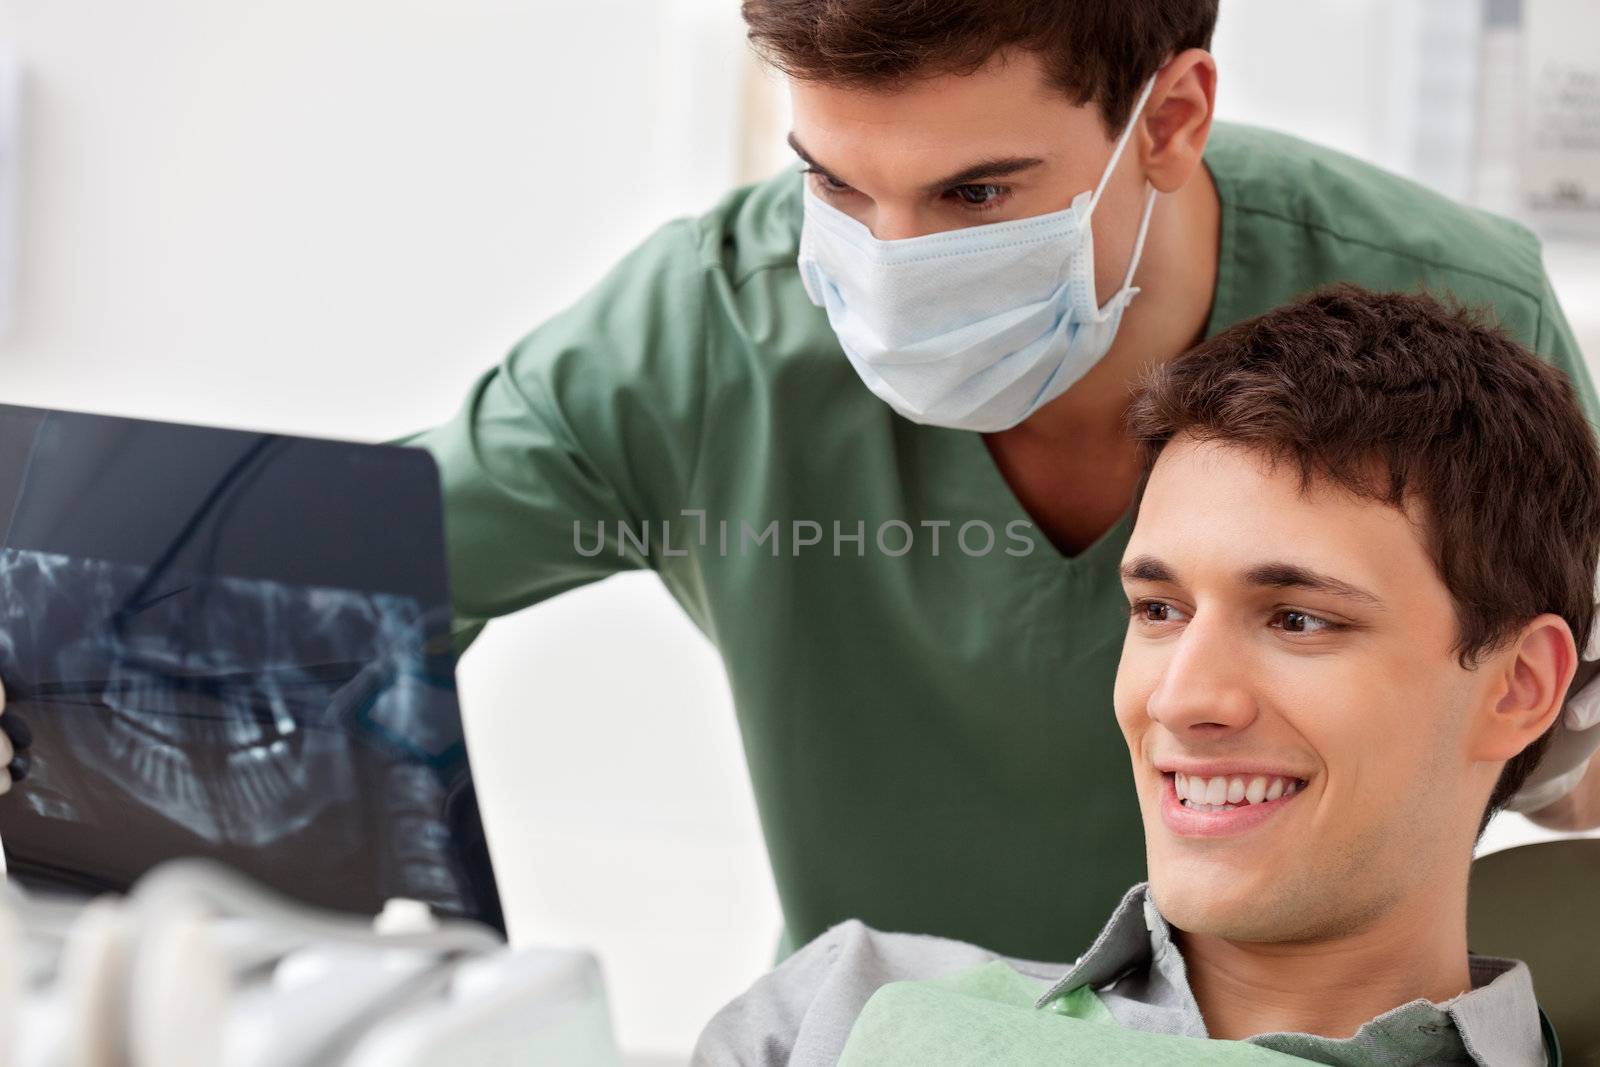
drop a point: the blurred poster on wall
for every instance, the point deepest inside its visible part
(1561, 130)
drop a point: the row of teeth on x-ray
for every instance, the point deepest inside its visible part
(229, 699)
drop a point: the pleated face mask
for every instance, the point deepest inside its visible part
(975, 328)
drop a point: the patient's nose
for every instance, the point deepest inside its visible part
(1204, 684)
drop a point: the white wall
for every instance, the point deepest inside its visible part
(1390, 81)
(328, 216)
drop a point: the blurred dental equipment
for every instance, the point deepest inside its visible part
(199, 967)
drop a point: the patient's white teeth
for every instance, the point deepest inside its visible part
(1225, 794)
(1209, 795)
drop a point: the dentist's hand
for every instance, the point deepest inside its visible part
(1557, 794)
(1563, 793)
(9, 760)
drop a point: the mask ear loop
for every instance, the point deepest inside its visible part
(1138, 242)
(1150, 197)
(1122, 141)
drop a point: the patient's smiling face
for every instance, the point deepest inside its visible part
(1297, 644)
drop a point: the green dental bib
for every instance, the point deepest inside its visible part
(987, 1016)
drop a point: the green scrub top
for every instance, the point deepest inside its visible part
(926, 714)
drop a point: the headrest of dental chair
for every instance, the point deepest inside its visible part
(1540, 904)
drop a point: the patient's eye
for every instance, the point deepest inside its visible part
(1155, 612)
(1301, 622)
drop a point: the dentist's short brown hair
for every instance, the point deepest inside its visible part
(1094, 51)
(1400, 398)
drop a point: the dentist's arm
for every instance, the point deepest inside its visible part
(593, 421)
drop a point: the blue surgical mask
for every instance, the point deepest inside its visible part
(975, 328)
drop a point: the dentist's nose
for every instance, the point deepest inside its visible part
(1205, 685)
(896, 223)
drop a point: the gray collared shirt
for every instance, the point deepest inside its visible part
(1139, 974)
(802, 1013)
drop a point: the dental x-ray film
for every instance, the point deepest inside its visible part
(232, 645)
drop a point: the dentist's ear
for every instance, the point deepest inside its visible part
(1534, 672)
(1177, 119)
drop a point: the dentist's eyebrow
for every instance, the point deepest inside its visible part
(1294, 576)
(987, 170)
(805, 157)
(982, 171)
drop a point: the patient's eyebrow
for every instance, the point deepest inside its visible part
(1146, 569)
(1294, 576)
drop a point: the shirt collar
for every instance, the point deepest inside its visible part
(1495, 1023)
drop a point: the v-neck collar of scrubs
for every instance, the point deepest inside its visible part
(986, 492)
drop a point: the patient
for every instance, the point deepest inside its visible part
(1362, 563)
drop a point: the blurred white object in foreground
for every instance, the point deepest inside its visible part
(199, 968)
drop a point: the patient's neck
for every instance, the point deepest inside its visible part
(1330, 987)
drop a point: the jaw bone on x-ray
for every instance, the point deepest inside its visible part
(232, 645)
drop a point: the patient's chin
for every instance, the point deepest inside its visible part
(1272, 914)
(1236, 913)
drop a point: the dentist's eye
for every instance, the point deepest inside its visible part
(979, 196)
(825, 180)
(1300, 622)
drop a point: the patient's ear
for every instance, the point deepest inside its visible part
(1533, 673)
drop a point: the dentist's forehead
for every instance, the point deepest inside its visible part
(928, 122)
